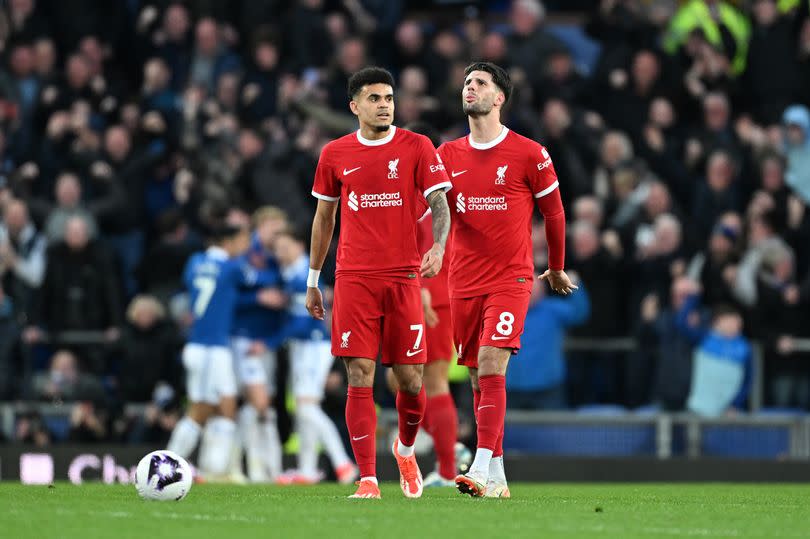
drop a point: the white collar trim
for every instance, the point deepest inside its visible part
(379, 142)
(492, 143)
(217, 252)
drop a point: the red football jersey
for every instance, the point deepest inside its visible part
(382, 184)
(495, 188)
(437, 286)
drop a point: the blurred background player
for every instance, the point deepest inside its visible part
(498, 178)
(212, 279)
(381, 173)
(311, 360)
(257, 320)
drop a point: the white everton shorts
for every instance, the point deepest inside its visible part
(310, 362)
(209, 373)
(251, 369)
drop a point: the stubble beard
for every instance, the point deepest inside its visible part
(476, 110)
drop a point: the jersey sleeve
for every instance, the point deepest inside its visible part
(542, 176)
(545, 186)
(430, 172)
(327, 184)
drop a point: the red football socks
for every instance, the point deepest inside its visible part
(441, 422)
(361, 420)
(491, 410)
(411, 410)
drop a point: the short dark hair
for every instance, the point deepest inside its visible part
(499, 76)
(369, 75)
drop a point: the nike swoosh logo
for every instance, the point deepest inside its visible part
(347, 172)
(356, 438)
(496, 338)
(411, 353)
(487, 406)
(409, 423)
(454, 173)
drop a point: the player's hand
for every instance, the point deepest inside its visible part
(432, 261)
(315, 303)
(559, 281)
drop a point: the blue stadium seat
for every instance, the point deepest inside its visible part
(745, 442)
(581, 440)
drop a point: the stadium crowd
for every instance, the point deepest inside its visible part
(680, 132)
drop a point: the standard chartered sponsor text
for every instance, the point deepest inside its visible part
(487, 203)
(380, 200)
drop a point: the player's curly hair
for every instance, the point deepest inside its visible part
(369, 75)
(499, 76)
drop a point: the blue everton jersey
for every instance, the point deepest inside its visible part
(299, 325)
(213, 280)
(251, 319)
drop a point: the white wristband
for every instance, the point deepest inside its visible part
(312, 278)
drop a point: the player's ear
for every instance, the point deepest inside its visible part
(500, 99)
(353, 107)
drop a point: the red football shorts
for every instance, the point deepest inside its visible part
(494, 319)
(440, 338)
(370, 316)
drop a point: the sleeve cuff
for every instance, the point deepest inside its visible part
(324, 197)
(547, 190)
(444, 185)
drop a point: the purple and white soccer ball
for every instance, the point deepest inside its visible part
(163, 476)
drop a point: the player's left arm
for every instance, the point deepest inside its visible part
(432, 179)
(432, 261)
(546, 188)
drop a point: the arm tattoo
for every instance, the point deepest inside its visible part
(441, 216)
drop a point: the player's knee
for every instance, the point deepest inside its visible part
(360, 372)
(412, 385)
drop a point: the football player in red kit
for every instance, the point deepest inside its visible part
(380, 176)
(498, 178)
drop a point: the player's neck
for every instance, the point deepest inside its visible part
(370, 132)
(484, 129)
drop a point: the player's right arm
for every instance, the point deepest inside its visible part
(327, 191)
(323, 227)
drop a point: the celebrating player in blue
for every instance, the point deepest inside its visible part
(212, 279)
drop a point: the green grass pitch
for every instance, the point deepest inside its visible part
(569, 511)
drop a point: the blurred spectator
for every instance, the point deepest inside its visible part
(22, 256)
(719, 22)
(160, 271)
(709, 267)
(777, 319)
(9, 332)
(147, 352)
(65, 382)
(796, 120)
(31, 429)
(721, 371)
(595, 376)
(211, 58)
(155, 425)
(68, 205)
(771, 77)
(661, 366)
(536, 380)
(718, 194)
(529, 44)
(88, 423)
(80, 291)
